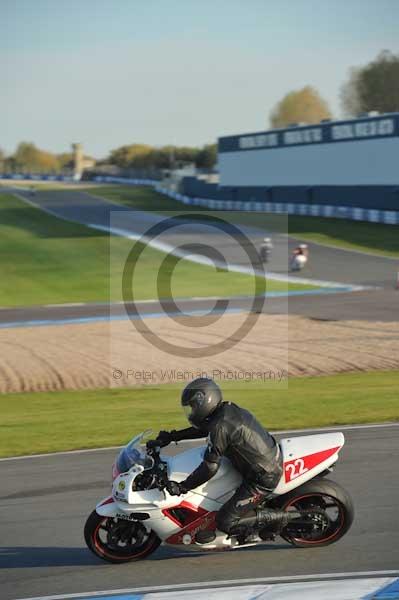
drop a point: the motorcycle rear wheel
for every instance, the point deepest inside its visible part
(117, 541)
(330, 507)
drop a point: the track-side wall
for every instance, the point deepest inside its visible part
(340, 212)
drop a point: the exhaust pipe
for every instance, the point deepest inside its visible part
(273, 520)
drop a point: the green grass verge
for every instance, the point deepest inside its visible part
(353, 235)
(140, 198)
(47, 260)
(51, 421)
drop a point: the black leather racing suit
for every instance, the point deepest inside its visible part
(235, 433)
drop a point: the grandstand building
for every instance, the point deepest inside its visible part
(353, 163)
(363, 151)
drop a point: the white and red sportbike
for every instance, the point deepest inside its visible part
(141, 514)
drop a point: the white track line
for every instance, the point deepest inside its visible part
(170, 249)
(279, 432)
(225, 583)
(268, 296)
(64, 453)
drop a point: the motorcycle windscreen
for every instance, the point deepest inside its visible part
(129, 456)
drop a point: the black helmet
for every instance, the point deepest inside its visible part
(199, 399)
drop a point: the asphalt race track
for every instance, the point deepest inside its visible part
(378, 305)
(44, 503)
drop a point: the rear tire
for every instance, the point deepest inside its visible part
(109, 538)
(319, 496)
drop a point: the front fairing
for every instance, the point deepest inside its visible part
(129, 498)
(125, 494)
(132, 455)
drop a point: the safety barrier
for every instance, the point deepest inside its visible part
(30, 177)
(387, 217)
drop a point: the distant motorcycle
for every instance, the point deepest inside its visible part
(140, 514)
(266, 250)
(299, 258)
(297, 262)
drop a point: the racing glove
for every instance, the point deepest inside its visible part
(175, 488)
(190, 433)
(165, 437)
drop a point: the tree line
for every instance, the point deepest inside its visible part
(27, 158)
(374, 86)
(141, 156)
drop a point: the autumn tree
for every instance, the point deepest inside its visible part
(28, 158)
(372, 87)
(134, 155)
(174, 156)
(2, 159)
(207, 157)
(25, 155)
(300, 106)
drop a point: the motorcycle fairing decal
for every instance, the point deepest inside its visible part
(115, 471)
(198, 517)
(107, 501)
(297, 467)
(252, 500)
(192, 512)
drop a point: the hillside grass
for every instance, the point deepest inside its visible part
(43, 422)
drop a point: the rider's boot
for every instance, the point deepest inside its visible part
(205, 536)
(245, 535)
(246, 531)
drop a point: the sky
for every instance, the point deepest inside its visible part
(114, 72)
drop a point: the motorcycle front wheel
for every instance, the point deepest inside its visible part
(118, 541)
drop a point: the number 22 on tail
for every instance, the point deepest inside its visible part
(294, 469)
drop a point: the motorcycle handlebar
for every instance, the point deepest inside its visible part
(153, 444)
(153, 449)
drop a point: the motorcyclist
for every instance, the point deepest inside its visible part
(265, 249)
(302, 249)
(235, 433)
(299, 257)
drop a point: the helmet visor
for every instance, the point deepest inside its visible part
(188, 411)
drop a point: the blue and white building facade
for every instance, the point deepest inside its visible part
(358, 152)
(343, 169)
